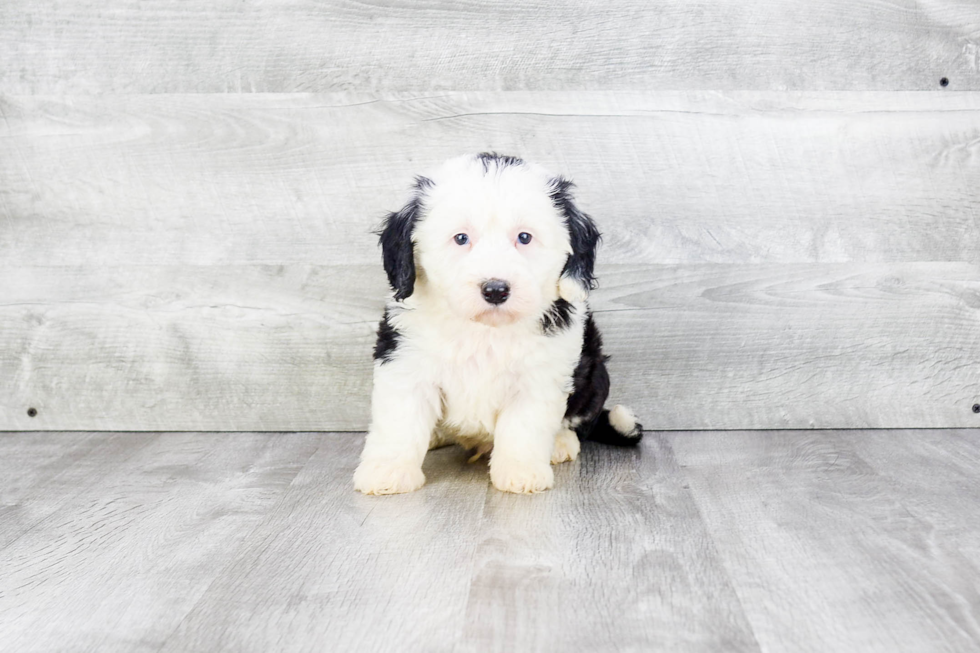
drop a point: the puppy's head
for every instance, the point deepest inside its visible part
(495, 238)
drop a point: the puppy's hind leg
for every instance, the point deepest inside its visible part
(404, 411)
(566, 447)
(441, 438)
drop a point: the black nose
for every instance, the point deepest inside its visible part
(496, 291)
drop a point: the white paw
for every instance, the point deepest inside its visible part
(566, 447)
(387, 477)
(508, 475)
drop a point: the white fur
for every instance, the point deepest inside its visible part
(622, 419)
(571, 290)
(485, 376)
(567, 447)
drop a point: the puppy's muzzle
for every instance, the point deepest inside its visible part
(495, 291)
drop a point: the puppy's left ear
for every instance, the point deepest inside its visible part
(577, 277)
(397, 248)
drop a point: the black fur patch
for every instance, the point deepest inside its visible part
(591, 389)
(499, 160)
(557, 317)
(387, 343)
(590, 379)
(582, 232)
(395, 237)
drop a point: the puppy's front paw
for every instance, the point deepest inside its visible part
(509, 475)
(387, 477)
(566, 447)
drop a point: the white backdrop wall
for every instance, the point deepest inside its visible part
(789, 197)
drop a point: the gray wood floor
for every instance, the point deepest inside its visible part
(750, 540)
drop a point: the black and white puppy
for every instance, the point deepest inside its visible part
(488, 340)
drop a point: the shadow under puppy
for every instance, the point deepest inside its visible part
(488, 340)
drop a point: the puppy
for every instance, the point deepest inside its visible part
(488, 340)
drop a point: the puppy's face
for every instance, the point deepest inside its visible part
(495, 238)
(493, 244)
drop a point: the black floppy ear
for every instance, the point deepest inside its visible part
(584, 237)
(397, 249)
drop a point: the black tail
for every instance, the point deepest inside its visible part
(617, 427)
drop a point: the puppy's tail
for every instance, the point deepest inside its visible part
(617, 426)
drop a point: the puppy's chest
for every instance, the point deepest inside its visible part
(480, 377)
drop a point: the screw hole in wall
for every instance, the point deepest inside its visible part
(32, 412)
(976, 408)
(944, 82)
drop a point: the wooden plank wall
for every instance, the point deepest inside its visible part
(789, 199)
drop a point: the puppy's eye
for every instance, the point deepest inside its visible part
(461, 239)
(524, 237)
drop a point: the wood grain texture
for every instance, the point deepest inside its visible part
(802, 520)
(44, 471)
(175, 347)
(302, 45)
(616, 559)
(670, 177)
(335, 569)
(289, 347)
(934, 476)
(709, 541)
(118, 567)
(806, 346)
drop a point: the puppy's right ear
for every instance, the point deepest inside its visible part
(397, 248)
